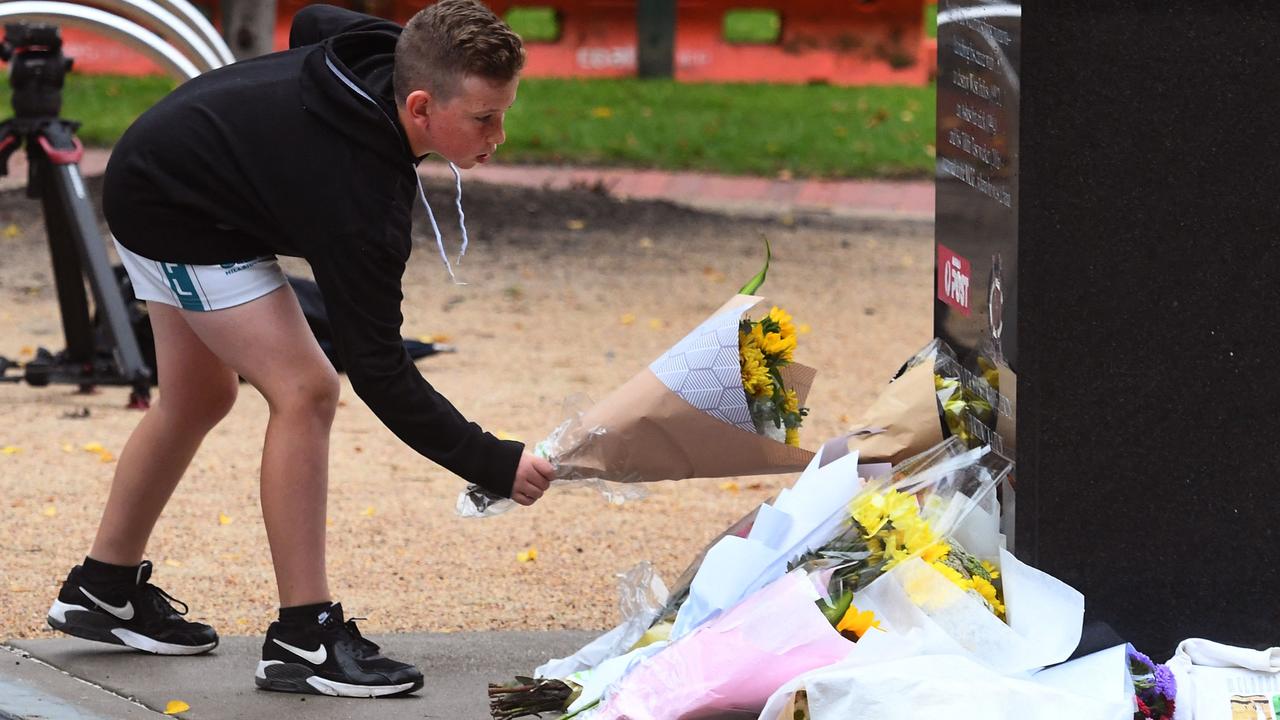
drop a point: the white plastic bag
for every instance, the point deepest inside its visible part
(1222, 682)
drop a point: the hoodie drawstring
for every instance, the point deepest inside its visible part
(457, 178)
(436, 228)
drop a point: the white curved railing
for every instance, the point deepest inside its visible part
(174, 30)
(114, 26)
(200, 24)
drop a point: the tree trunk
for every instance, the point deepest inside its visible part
(249, 26)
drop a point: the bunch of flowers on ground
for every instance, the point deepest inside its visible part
(1154, 688)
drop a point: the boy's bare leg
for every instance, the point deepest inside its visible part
(267, 341)
(196, 391)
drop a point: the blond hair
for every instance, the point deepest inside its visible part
(449, 40)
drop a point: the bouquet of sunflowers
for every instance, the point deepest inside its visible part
(727, 400)
(765, 347)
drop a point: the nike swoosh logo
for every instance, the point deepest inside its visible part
(124, 612)
(315, 657)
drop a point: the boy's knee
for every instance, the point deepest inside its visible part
(314, 393)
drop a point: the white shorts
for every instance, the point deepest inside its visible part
(201, 287)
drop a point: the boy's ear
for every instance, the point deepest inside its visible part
(418, 104)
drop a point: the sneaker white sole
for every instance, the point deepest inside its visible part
(58, 620)
(321, 686)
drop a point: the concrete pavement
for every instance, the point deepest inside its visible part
(71, 679)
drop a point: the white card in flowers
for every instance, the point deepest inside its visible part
(705, 370)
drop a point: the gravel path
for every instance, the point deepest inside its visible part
(553, 278)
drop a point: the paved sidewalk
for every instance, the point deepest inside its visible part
(70, 679)
(906, 200)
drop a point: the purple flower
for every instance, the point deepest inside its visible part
(1140, 663)
(1166, 686)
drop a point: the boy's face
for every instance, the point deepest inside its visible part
(467, 128)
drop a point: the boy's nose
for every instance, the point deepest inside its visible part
(499, 137)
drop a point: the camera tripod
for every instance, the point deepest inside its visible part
(112, 355)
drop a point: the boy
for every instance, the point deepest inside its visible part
(310, 152)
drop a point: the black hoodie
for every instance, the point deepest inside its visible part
(279, 156)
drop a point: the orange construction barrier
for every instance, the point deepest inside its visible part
(841, 42)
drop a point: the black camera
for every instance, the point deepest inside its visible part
(37, 68)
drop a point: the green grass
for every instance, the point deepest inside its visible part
(806, 130)
(105, 105)
(752, 26)
(931, 20)
(534, 24)
(741, 129)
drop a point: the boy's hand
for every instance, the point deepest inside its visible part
(533, 477)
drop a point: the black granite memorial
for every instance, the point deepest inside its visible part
(1107, 228)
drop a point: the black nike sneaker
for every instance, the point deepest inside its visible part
(331, 657)
(139, 615)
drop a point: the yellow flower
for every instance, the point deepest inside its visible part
(869, 512)
(755, 374)
(793, 437)
(935, 552)
(988, 593)
(781, 317)
(953, 575)
(858, 621)
(991, 569)
(792, 402)
(779, 346)
(899, 506)
(918, 536)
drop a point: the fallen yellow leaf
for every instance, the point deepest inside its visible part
(525, 556)
(627, 319)
(172, 563)
(10, 450)
(729, 486)
(106, 457)
(68, 448)
(575, 224)
(602, 112)
(11, 231)
(50, 511)
(93, 447)
(224, 519)
(712, 274)
(504, 435)
(803, 329)
(173, 707)
(27, 350)
(368, 512)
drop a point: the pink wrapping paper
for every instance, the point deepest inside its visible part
(733, 663)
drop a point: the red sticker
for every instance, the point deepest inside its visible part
(954, 279)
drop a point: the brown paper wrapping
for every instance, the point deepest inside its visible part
(650, 433)
(902, 422)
